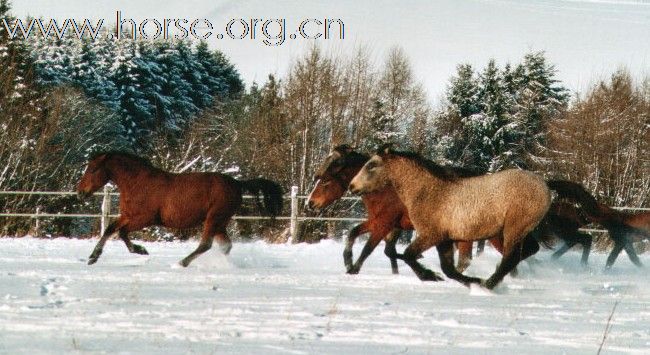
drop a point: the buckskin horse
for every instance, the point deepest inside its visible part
(150, 196)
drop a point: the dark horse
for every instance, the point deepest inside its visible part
(623, 227)
(445, 208)
(563, 221)
(150, 196)
(387, 215)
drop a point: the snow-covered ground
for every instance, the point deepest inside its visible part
(297, 299)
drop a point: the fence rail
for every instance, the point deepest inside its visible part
(294, 218)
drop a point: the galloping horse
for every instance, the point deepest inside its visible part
(563, 221)
(445, 208)
(623, 227)
(386, 213)
(150, 196)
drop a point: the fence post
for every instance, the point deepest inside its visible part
(293, 227)
(37, 227)
(106, 209)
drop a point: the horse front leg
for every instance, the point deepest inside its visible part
(464, 255)
(354, 233)
(391, 251)
(368, 248)
(99, 247)
(584, 239)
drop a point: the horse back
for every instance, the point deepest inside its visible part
(639, 220)
(482, 205)
(185, 200)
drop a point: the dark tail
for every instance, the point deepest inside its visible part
(578, 193)
(271, 191)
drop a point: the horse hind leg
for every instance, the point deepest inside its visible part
(133, 248)
(446, 254)
(618, 247)
(631, 253)
(391, 251)
(204, 245)
(225, 244)
(568, 244)
(511, 258)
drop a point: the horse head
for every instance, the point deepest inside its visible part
(95, 176)
(334, 175)
(372, 176)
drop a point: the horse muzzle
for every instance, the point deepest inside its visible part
(355, 189)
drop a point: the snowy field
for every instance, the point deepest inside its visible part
(296, 299)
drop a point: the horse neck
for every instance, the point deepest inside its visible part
(348, 173)
(126, 177)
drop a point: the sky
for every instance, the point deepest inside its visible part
(587, 40)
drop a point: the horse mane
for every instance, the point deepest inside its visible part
(352, 157)
(446, 173)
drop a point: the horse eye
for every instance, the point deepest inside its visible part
(326, 183)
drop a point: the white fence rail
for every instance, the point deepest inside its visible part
(294, 217)
(105, 214)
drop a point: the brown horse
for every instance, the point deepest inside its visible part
(445, 208)
(623, 227)
(386, 213)
(150, 196)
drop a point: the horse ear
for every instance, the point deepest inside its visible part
(99, 158)
(344, 149)
(385, 149)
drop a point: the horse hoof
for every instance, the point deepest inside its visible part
(92, 261)
(184, 263)
(487, 284)
(139, 249)
(430, 276)
(353, 270)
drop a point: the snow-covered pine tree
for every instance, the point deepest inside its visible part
(136, 110)
(174, 85)
(539, 99)
(211, 72)
(90, 75)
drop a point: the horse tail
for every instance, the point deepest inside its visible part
(271, 191)
(578, 193)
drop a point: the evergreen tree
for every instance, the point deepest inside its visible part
(498, 120)
(88, 75)
(538, 100)
(136, 111)
(463, 91)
